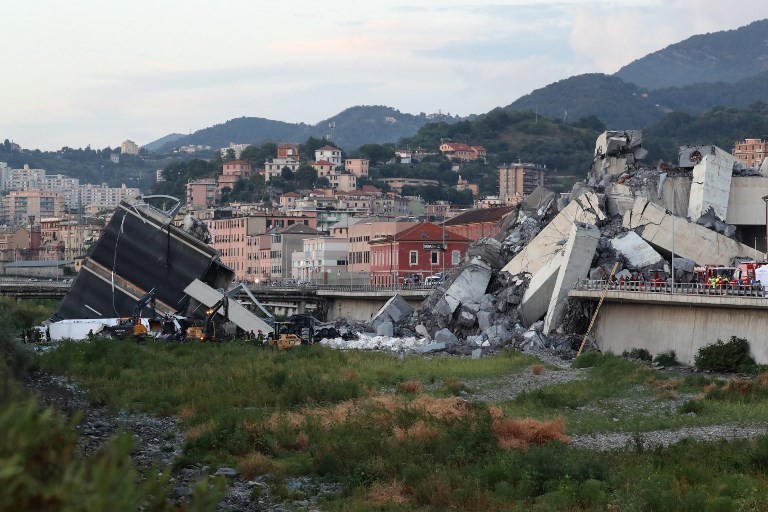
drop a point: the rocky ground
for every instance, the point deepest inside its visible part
(159, 440)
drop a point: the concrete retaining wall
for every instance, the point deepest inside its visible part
(684, 329)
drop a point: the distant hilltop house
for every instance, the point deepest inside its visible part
(462, 151)
(128, 147)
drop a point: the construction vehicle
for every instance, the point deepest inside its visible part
(210, 331)
(132, 325)
(283, 338)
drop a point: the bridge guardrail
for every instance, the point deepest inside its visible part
(344, 287)
(668, 288)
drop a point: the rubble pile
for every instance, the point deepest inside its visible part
(512, 292)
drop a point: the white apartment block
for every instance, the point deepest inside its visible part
(22, 179)
(276, 166)
(106, 196)
(330, 154)
(238, 149)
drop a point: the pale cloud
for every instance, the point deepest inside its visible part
(90, 72)
(606, 36)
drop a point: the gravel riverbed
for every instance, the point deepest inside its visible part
(159, 440)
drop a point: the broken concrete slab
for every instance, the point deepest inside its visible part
(711, 185)
(477, 353)
(466, 319)
(638, 253)
(498, 335)
(538, 202)
(577, 258)
(585, 209)
(432, 347)
(488, 250)
(691, 241)
(238, 314)
(484, 320)
(469, 285)
(618, 199)
(540, 288)
(385, 328)
(395, 310)
(446, 337)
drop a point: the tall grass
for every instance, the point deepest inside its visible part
(366, 420)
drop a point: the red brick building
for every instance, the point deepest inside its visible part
(421, 250)
(477, 224)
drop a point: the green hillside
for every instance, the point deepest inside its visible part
(618, 104)
(721, 126)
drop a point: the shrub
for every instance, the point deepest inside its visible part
(731, 357)
(410, 387)
(537, 369)
(638, 353)
(692, 406)
(666, 359)
(43, 470)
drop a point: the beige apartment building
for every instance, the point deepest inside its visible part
(520, 179)
(35, 203)
(357, 166)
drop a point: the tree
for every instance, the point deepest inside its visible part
(287, 174)
(305, 176)
(313, 143)
(257, 155)
(377, 153)
(229, 155)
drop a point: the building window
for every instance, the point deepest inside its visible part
(414, 257)
(455, 257)
(435, 258)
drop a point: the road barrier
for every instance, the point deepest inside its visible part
(743, 290)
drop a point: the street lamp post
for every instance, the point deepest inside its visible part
(765, 199)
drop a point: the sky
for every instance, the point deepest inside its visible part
(87, 72)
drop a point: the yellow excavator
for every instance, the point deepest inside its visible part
(208, 331)
(131, 325)
(285, 339)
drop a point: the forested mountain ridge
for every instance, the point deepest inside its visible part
(349, 129)
(726, 56)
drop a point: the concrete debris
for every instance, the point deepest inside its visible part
(637, 252)
(446, 337)
(711, 180)
(385, 328)
(513, 292)
(575, 263)
(432, 347)
(469, 285)
(422, 331)
(585, 209)
(396, 310)
(617, 152)
(691, 241)
(488, 250)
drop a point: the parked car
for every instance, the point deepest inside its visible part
(434, 279)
